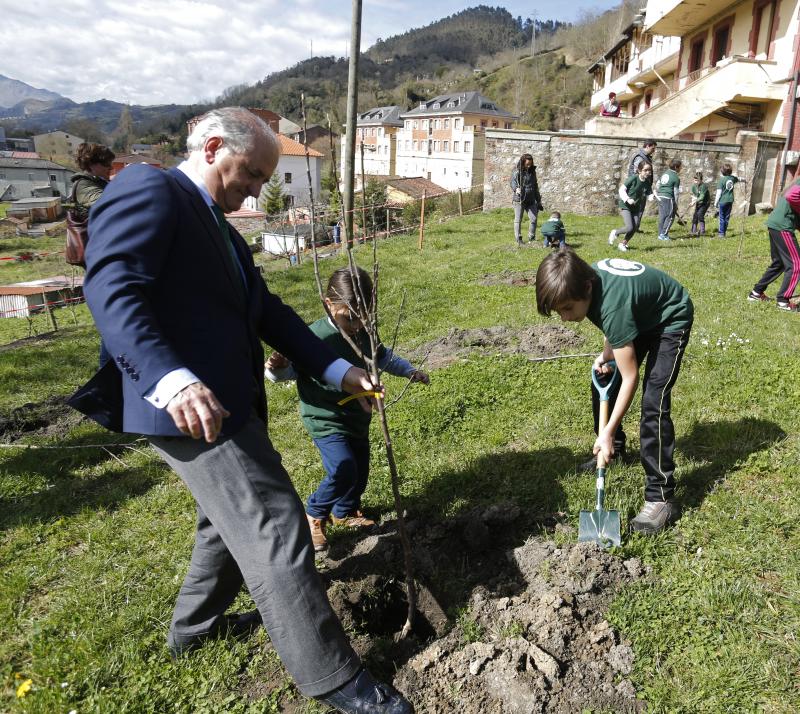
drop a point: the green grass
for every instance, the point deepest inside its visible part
(94, 545)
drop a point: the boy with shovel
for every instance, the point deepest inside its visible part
(643, 313)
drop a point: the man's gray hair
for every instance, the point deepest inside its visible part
(237, 126)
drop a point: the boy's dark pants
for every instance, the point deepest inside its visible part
(699, 217)
(346, 463)
(785, 255)
(664, 353)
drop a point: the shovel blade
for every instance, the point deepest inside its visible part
(600, 526)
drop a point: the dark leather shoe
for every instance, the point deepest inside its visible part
(363, 695)
(238, 626)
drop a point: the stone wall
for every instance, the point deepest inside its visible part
(581, 174)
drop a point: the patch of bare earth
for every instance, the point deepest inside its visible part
(533, 341)
(517, 278)
(50, 417)
(531, 635)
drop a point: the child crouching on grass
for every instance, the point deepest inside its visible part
(555, 235)
(340, 432)
(643, 313)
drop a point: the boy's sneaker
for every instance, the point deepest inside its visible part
(655, 516)
(758, 297)
(612, 237)
(317, 528)
(623, 247)
(356, 519)
(562, 244)
(546, 243)
(786, 305)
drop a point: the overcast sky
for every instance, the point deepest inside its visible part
(184, 51)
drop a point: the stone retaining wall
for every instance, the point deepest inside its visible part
(581, 174)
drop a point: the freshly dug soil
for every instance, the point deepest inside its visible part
(521, 279)
(501, 627)
(534, 341)
(46, 418)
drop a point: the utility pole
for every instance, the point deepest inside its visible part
(352, 111)
(533, 32)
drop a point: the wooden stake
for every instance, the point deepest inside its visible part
(49, 311)
(422, 221)
(460, 204)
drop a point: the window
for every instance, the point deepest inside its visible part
(446, 123)
(380, 131)
(763, 32)
(508, 125)
(30, 177)
(424, 123)
(494, 125)
(467, 147)
(696, 54)
(408, 123)
(408, 144)
(466, 174)
(2, 175)
(722, 37)
(416, 146)
(415, 123)
(444, 171)
(445, 146)
(436, 146)
(456, 145)
(436, 124)
(648, 99)
(53, 177)
(456, 123)
(287, 177)
(483, 122)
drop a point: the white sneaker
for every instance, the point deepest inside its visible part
(623, 247)
(612, 237)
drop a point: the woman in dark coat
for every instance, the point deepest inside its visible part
(526, 196)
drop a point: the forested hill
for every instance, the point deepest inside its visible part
(452, 53)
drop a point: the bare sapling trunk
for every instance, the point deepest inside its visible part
(366, 308)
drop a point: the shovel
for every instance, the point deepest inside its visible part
(599, 525)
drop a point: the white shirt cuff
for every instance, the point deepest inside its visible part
(169, 385)
(335, 373)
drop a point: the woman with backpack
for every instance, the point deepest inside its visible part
(526, 196)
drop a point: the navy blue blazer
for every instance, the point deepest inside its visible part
(164, 294)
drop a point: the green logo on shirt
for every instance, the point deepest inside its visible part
(619, 266)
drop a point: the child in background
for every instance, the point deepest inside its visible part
(340, 432)
(701, 200)
(669, 186)
(643, 313)
(633, 194)
(554, 232)
(723, 201)
(784, 251)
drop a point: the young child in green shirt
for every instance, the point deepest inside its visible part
(643, 314)
(339, 431)
(701, 200)
(554, 233)
(633, 195)
(667, 190)
(723, 200)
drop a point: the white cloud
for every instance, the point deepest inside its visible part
(183, 51)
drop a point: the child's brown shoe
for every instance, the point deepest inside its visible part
(317, 527)
(353, 520)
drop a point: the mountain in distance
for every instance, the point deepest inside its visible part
(12, 92)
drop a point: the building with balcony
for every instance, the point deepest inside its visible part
(735, 69)
(442, 139)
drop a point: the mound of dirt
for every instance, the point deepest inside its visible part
(522, 279)
(46, 418)
(526, 630)
(534, 341)
(546, 649)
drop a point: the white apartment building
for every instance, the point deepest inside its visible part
(375, 131)
(442, 139)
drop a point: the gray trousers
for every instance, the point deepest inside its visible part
(533, 215)
(666, 214)
(251, 527)
(631, 223)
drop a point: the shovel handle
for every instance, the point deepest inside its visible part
(601, 462)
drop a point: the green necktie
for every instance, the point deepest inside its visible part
(224, 229)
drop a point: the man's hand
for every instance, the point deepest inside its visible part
(197, 412)
(601, 364)
(277, 361)
(631, 201)
(356, 380)
(420, 376)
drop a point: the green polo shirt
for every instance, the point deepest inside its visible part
(783, 218)
(638, 190)
(667, 183)
(631, 299)
(726, 184)
(700, 192)
(552, 227)
(319, 408)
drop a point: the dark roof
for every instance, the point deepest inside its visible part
(381, 115)
(458, 103)
(7, 163)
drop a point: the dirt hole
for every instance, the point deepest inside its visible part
(522, 279)
(49, 417)
(533, 341)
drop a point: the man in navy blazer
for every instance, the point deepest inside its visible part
(183, 311)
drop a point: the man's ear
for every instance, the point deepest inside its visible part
(212, 146)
